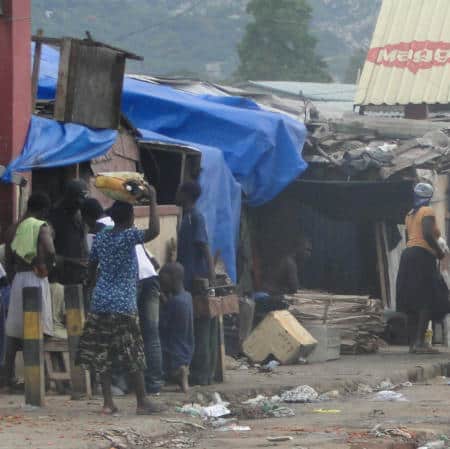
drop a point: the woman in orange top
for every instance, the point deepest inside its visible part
(418, 274)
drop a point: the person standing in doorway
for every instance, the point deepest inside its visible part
(195, 256)
(418, 274)
(29, 256)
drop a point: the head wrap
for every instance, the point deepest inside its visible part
(423, 192)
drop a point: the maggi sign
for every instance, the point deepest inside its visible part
(414, 56)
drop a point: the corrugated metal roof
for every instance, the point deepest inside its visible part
(270, 102)
(314, 91)
(409, 58)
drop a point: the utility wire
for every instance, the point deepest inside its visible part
(158, 24)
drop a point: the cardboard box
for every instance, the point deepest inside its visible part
(328, 343)
(279, 335)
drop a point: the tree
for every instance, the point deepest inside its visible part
(355, 63)
(278, 45)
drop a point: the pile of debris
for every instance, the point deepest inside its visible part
(358, 318)
(382, 147)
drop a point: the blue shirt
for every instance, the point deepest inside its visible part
(177, 330)
(192, 232)
(116, 288)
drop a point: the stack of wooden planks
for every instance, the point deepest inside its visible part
(358, 318)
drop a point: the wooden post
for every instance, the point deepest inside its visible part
(73, 297)
(36, 68)
(220, 375)
(33, 346)
(382, 265)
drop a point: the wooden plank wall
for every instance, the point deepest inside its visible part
(89, 85)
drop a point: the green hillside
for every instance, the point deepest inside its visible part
(198, 37)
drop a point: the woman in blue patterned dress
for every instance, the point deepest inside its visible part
(112, 338)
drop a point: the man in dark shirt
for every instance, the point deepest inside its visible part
(70, 235)
(195, 256)
(176, 325)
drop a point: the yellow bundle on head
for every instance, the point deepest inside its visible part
(129, 187)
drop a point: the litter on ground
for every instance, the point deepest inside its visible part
(303, 394)
(389, 396)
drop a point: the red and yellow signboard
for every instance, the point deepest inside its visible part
(413, 56)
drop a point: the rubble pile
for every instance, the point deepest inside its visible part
(382, 148)
(358, 318)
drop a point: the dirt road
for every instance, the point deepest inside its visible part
(347, 422)
(65, 424)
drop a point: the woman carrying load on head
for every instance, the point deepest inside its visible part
(112, 338)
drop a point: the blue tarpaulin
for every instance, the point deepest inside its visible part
(53, 144)
(243, 146)
(220, 201)
(262, 148)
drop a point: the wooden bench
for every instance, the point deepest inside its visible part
(57, 362)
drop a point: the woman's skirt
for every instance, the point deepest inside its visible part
(14, 321)
(111, 342)
(416, 280)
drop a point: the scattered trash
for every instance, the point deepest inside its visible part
(302, 395)
(231, 363)
(217, 399)
(376, 412)
(201, 399)
(389, 396)
(271, 366)
(434, 445)
(266, 410)
(327, 411)
(328, 396)
(234, 428)
(264, 407)
(222, 422)
(380, 432)
(194, 410)
(185, 423)
(406, 385)
(281, 412)
(180, 443)
(215, 411)
(279, 439)
(385, 385)
(125, 438)
(364, 389)
(260, 399)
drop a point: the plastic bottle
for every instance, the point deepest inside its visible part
(429, 336)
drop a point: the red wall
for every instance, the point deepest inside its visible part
(15, 91)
